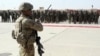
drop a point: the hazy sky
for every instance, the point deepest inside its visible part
(56, 4)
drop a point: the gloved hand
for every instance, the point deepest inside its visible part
(37, 20)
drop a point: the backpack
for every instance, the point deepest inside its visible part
(20, 36)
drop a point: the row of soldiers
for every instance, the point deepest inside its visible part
(54, 16)
(9, 15)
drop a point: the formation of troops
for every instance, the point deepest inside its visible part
(26, 28)
(55, 16)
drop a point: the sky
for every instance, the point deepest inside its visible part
(56, 4)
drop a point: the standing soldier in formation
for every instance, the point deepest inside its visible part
(96, 17)
(24, 29)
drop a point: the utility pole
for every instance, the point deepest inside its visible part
(92, 4)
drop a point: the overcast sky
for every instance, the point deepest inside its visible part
(56, 4)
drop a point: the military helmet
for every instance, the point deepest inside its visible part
(25, 6)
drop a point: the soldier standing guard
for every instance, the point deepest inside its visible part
(23, 31)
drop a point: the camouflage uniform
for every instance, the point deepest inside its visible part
(25, 38)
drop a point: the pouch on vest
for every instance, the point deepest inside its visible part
(21, 38)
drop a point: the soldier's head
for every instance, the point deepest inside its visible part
(26, 8)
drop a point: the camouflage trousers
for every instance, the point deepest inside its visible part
(29, 51)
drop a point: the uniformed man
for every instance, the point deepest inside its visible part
(23, 31)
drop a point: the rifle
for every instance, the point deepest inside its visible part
(45, 12)
(40, 46)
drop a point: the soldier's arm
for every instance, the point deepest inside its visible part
(37, 26)
(34, 25)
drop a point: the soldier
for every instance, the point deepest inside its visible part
(23, 31)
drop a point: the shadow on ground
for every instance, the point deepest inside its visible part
(5, 54)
